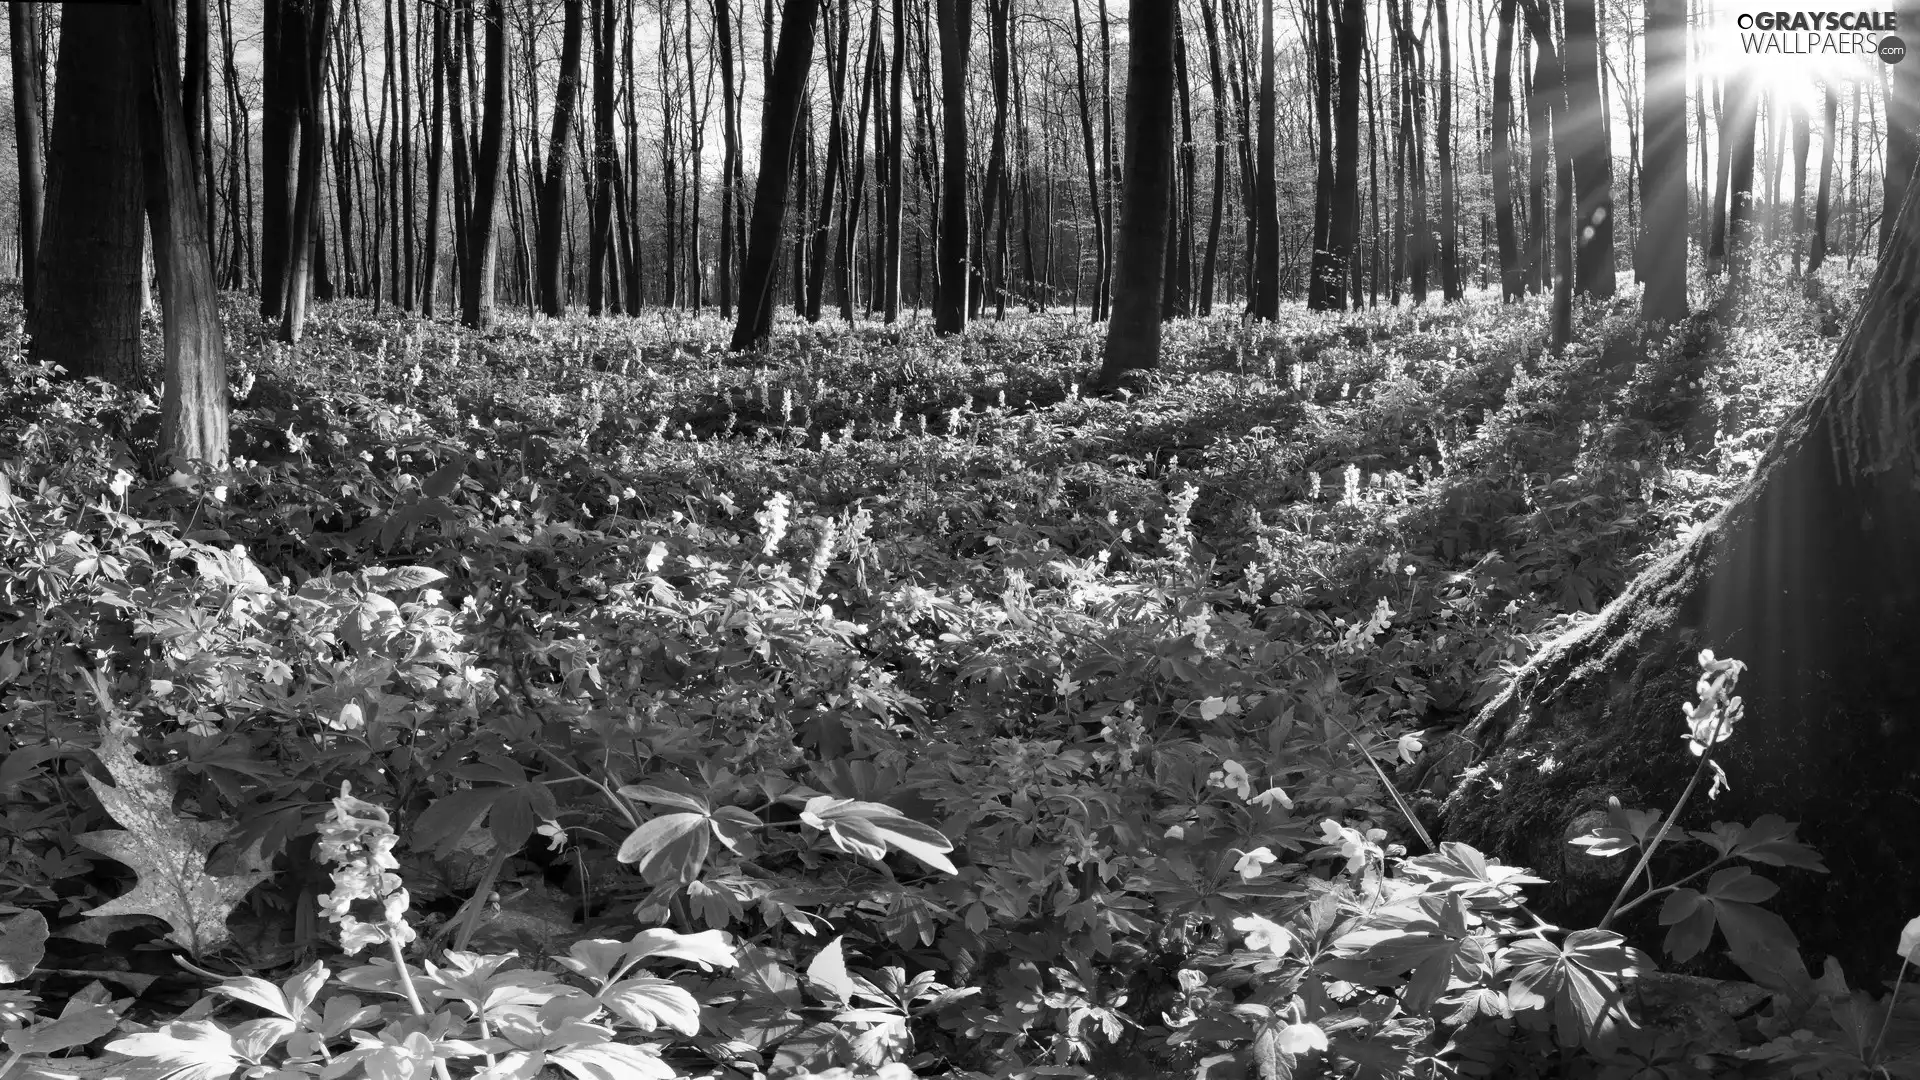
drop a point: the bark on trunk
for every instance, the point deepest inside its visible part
(553, 186)
(1807, 578)
(1586, 130)
(1512, 275)
(87, 318)
(950, 301)
(1133, 332)
(760, 271)
(193, 411)
(1817, 248)
(1663, 239)
(476, 278)
(23, 23)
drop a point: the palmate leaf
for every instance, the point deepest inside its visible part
(167, 849)
(869, 828)
(1729, 901)
(1581, 979)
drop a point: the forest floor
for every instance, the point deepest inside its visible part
(867, 563)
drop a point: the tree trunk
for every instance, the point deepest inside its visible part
(1344, 230)
(1807, 578)
(1743, 114)
(1266, 260)
(1663, 239)
(896, 164)
(1217, 83)
(600, 229)
(837, 58)
(1539, 126)
(1512, 275)
(476, 278)
(553, 186)
(956, 33)
(23, 22)
(436, 160)
(1096, 207)
(307, 43)
(992, 185)
(729, 149)
(1586, 130)
(1443, 151)
(1903, 126)
(1133, 331)
(282, 67)
(87, 318)
(193, 411)
(760, 272)
(1817, 248)
(1321, 274)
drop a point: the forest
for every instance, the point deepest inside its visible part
(866, 539)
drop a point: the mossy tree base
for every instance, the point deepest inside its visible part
(1812, 577)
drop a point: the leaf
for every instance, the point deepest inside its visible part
(444, 479)
(828, 970)
(1606, 842)
(402, 578)
(188, 1050)
(612, 1061)
(79, 1024)
(1769, 840)
(166, 849)
(708, 948)
(671, 846)
(23, 944)
(648, 1003)
(1730, 902)
(1581, 979)
(868, 828)
(679, 800)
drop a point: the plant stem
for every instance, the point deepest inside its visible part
(1646, 854)
(1885, 1021)
(413, 999)
(1653, 892)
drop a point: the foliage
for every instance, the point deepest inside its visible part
(988, 728)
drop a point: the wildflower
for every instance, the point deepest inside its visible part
(122, 479)
(773, 521)
(1271, 797)
(1253, 863)
(1232, 775)
(1409, 746)
(1353, 845)
(1264, 934)
(1300, 1038)
(656, 557)
(358, 840)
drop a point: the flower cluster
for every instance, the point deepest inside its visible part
(358, 840)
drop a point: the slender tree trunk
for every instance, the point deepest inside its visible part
(896, 162)
(1540, 89)
(1593, 158)
(87, 317)
(759, 273)
(1512, 274)
(999, 28)
(281, 67)
(193, 410)
(313, 26)
(730, 149)
(476, 292)
(1320, 277)
(436, 161)
(1663, 240)
(600, 231)
(1133, 331)
(1743, 108)
(1266, 274)
(553, 185)
(840, 34)
(1817, 249)
(956, 33)
(1096, 206)
(1450, 287)
(23, 22)
(1903, 125)
(1218, 85)
(1344, 229)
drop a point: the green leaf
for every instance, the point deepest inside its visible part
(669, 847)
(444, 479)
(709, 948)
(441, 826)
(168, 851)
(679, 800)
(1606, 842)
(23, 944)
(868, 829)
(1769, 840)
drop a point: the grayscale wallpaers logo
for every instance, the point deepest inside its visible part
(1820, 34)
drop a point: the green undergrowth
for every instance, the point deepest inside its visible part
(973, 710)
